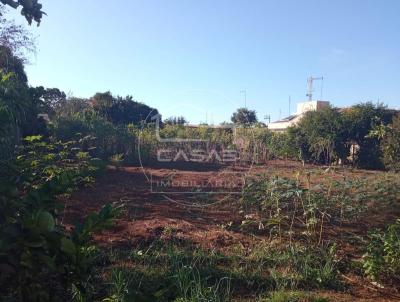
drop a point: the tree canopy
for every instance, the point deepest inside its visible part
(359, 120)
(244, 116)
(121, 110)
(325, 134)
(31, 9)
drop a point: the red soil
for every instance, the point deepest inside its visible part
(196, 218)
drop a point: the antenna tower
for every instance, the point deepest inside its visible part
(310, 90)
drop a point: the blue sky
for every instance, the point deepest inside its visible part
(193, 58)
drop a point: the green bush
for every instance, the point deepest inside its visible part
(390, 145)
(382, 257)
(39, 259)
(106, 138)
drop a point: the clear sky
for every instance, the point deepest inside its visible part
(192, 58)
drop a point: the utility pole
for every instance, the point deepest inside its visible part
(245, 97)
(267, 117)
(290, 101)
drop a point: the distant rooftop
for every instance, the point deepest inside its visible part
(287, 119)
(293, 119)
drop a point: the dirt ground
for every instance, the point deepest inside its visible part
(196, 217)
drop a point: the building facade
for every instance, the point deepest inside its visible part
(292, 120)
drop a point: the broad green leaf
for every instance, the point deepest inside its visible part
(68, 247)
(45, 222)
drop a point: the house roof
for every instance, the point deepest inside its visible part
(287, 119)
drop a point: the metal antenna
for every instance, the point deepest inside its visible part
(310, 82)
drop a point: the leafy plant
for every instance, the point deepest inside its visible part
(390, 145)
(382, 257)
(40, 260)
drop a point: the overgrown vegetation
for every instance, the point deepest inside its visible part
(51, 145)
(382, 258)
(39, 259)
(166, 271)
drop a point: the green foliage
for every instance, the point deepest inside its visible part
(325, 134)
(170, 271)
(390, 145)
(382, 258)
(12, 114)
(121, 111)
(106, 138)
(244, 116)
(9, 63)
(359, 120)
(19, 105)
(120, 286)
(283, 146)
(70, 107)
(173, 120)
(39, 259)
(41, 161)
(15, 38)
(284, 296)
(281, 201)
(31, 9)
(192, 287)
(51, 100)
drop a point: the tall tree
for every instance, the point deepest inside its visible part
(9, 63)
(121, 111)
(18, 107)
(15, 37)
(14, 105)
(31, 9)
(244, 116)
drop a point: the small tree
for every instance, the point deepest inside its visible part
(325, 134)
(300, 148)
(244, 116)
(359, 120)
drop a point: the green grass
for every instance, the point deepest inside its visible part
(282, 296)
(167, 272)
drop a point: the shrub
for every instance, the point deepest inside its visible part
(390, 145)
(39, 259)
(359, 120)
(382, 257)
(107, 139)
(325, 135)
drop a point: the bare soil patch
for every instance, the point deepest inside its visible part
(199, 220)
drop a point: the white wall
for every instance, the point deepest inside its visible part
(311, 106)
